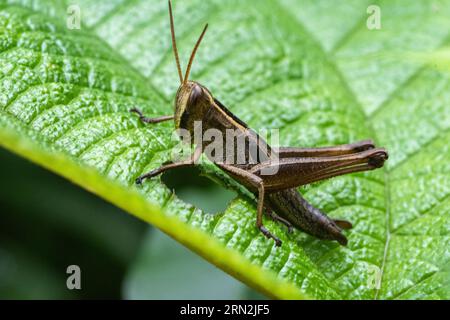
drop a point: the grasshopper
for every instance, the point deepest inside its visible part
(276, 194)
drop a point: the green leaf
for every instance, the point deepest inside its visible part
(311, 69)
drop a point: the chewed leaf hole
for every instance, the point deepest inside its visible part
(191, 187)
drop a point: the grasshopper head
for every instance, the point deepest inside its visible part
(191, 103)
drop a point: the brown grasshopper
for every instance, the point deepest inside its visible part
(277, 193)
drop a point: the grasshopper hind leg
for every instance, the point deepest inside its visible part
(269, 235)
(258, 184)
(259, 215)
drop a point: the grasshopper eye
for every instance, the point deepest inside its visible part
(195, 95)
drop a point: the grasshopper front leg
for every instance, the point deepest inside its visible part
(190, 162)
(257, 183)
(145, 119)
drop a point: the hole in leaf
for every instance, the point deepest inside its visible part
(198, 190)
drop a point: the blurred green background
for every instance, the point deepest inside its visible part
(47, 224)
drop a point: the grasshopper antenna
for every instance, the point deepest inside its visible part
(188, 69)
(174, 43)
